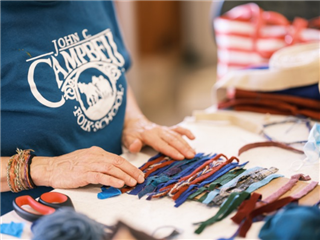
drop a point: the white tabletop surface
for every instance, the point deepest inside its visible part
(211, 137)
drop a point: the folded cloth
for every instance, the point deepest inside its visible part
(292, 71)
(294, 222)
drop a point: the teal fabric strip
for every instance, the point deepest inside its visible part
(231, 176)
(200, 190)
(257, 185)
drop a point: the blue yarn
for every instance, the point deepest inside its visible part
(66, 224)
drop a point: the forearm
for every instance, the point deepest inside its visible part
(38, 172)
(4, 183)
(133, 112)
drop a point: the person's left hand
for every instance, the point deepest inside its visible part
(167, 140)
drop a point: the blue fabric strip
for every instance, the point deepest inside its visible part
(108, 192)
(211, 196)
(138, 188)
(188, 165)
(257, 185)
(187, 171)
(310, 91)
(185, 195)
(12, 229)
(152, 185)
(146, 190)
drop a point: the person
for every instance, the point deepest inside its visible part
(67, 108)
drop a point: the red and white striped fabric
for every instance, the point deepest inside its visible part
(247, 36)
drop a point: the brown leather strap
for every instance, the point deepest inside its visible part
(297, 101)
(272, 103)
(267, 144)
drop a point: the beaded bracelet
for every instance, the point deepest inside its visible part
(18, 171)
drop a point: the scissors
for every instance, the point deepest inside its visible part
(48, 203)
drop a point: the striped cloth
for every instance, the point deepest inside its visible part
(248, 36)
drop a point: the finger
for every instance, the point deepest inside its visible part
(116, 172)
(183, 131)
(162, 146)
(176, 141)
(135, 146)
(100, 178)
(128, 168)
(127, 141)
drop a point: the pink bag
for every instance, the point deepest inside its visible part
(247, 36)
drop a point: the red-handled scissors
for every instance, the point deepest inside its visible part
(47, 204)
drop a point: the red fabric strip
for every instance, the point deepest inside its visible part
(275, 205)
(159, 159)
(264, 209)
(158, 167)
(246, 207)
(203, 166)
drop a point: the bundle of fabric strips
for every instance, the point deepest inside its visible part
(181, 179)
(209, 179)
(216, 180)
(255, 208)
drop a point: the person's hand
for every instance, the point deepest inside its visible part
(82, 167)
(167, 140)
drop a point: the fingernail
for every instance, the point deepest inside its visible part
(191, 153)
(132, 181)
(179, 156)
(141, 178)
(120, 183)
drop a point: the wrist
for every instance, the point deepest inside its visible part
(40, 171)
(140, 120)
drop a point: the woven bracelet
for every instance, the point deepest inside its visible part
(18, 171)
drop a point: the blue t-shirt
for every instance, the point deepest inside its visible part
(63, 83)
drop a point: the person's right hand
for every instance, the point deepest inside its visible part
(82, 167)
